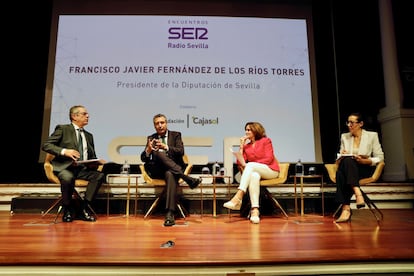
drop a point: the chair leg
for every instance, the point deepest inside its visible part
(337, 210)
(245, 209)
(57, 201)
(93, 211)
(78, 196)
(379, 216)
(57, 213)
(280, 207)
(181, 209)
(376, 211)
(153, 205)
(274, 200)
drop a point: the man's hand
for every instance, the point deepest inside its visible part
(73, 154)
(152, 145)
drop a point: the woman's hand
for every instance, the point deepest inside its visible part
(243, 141)
(362, 159)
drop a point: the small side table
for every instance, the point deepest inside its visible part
(111, 178)
(214, 177)
(310, 176)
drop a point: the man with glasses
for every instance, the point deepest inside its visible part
(71, 143)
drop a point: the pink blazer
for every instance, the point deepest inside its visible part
(261, 152)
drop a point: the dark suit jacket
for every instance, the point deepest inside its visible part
(64, 136)
(175, 152)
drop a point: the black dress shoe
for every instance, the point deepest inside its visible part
(86, 216)
(193, 182)
(169, 221)
(67, 216)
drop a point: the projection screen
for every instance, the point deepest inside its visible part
(210, 74)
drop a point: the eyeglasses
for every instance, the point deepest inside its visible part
(351, 123)
(83, 113)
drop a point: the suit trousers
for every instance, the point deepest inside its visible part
(67, 182)
(164, 167)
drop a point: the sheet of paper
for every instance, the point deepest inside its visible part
(338, 156)
(239, 157)
(100, 161)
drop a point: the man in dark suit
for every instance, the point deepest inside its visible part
(163, 157)
(70, 143)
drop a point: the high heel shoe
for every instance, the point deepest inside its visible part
(233, 206)
(254, 216)
(360, 203)
(345, 216)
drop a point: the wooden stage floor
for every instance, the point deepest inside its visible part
(208, 246)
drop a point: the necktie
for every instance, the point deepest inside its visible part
(162, 141)
(80, 144)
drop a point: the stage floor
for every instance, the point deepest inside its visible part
(208, 245)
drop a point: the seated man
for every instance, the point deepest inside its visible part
(71, 143)
(163, 157)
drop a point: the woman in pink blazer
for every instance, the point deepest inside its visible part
(260, 163)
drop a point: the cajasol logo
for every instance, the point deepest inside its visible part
(196, 120)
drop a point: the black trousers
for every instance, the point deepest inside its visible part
(163, 167)
(67, 182)
(347, 176)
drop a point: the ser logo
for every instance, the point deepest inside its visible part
(187, 33)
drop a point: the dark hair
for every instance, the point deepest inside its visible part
(358, 115)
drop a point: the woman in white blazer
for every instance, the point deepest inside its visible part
(358, 155)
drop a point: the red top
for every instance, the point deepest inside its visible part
(262, 152)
